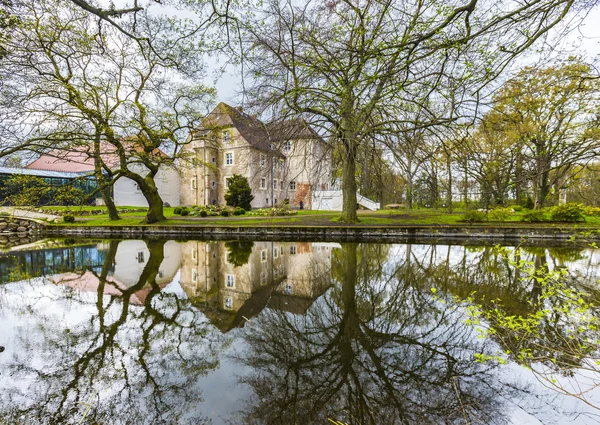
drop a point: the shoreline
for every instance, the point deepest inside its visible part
(469, 233)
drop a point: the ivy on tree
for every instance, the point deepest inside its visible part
(239, 193)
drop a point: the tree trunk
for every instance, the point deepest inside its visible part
(449, 193)
(155, 202)
(108, 200)
(113, 214)
(349, 202)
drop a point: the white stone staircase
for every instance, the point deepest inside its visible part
(367, 203)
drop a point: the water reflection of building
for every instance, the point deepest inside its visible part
(26, 264)
(124, 272)
(233, 281)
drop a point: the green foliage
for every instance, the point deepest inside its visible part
(69, 195)
(238, 252)
(528, 203)
(69, 218)
(24, 190)
(474, 216)
(534, 216)
(517, 208)
(568, 212)
(184, 211)
(534, 337)
(592, 211)
(239, 211)
(203, 213)
(225, 213)
(500, 214)
(177, 210)
(239, 193)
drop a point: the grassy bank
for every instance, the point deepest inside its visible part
(395, 218)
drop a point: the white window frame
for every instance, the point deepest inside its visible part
(263, 255)
(230, 281)
(229, 161)
(293, 250)
(228, 303)
(193, 183)
(274, 184)
(226, 182)
(263, 183)
(293, 185)
(287, 146)
(226, 136)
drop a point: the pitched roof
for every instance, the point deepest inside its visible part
(293, 129)
(80, 159)
(258, 134)
(250, 127)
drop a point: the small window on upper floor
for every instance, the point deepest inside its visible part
(193, 183)
(214, 159)
(213, 184)
(229, 158)
(226, 136)
(281, 165)
(287, 146)
(292, 185)
(263, 159)
(274, 183)
(263, 183)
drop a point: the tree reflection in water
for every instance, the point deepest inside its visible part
(133, 364)
(377, 348)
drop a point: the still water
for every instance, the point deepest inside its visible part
(207, 332)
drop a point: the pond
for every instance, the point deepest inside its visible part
(254, 332)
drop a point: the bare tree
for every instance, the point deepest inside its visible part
(104, 95)
(363, 67)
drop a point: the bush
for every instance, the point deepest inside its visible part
(69, 218)
(203, 213)
(225, 213)
(528, 203)
(239, 211)
(500, 214)
(474, 216)
(177, 210)
(534, 216)
(239, 193)
(592, 211)
(185, 211)
(517, 208)
(571, 212)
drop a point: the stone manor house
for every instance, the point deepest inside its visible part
(283, 161)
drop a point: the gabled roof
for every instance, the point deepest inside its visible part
(258, 134)
(250, 127)
(293, 129)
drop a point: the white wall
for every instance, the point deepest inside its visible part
(127, 193)
(329, 200)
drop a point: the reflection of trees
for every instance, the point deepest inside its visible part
(373, 350)
(530, 305)
(238, 252)
(134, 364)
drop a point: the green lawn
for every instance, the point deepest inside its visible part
(400, 217)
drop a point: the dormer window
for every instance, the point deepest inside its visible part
(226, 136)
(287, 146)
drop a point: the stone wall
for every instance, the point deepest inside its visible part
(14, 227)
